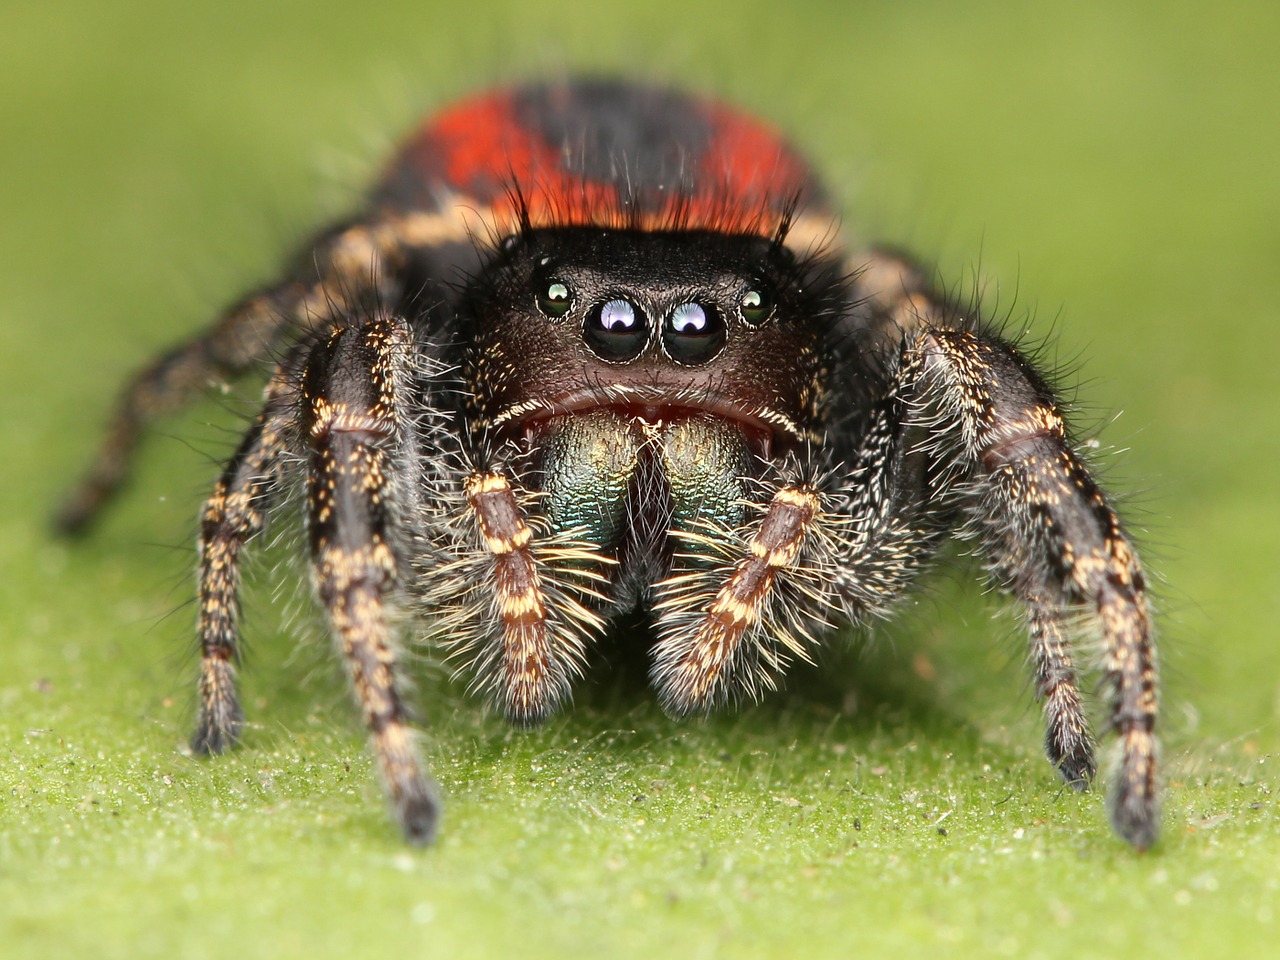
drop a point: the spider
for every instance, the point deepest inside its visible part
(593, 346)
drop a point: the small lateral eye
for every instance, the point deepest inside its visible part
(554, 299)
(755, 306)
(693, 333)
(616, 330)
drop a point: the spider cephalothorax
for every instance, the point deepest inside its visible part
(594, 346)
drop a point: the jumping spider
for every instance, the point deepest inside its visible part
(596, 346)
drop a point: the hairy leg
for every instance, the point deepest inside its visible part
(234, 514)
(1052, 539)
(352, 265)
(356, 418)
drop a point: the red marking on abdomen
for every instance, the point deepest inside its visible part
(744, 180)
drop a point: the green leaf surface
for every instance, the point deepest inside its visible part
(1109, 170)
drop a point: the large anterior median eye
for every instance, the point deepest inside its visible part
(616, 330)
(693, 333)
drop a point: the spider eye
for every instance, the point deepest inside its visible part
(690, 319)
(693, 333)
(554, 299)
(616, 330)
(755, 306)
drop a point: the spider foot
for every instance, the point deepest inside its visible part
(221, 719)
(415, 801)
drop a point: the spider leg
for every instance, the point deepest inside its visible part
(1067, 741)
(233, 515)
(898, 300)
(1052, 539)
(893, 293)
(355, 414)
(346, 266)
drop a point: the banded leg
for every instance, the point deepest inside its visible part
(1052, 539)
(351, 263)
(354, 411)
(233, 515)
(896, 292)
(1067, 740)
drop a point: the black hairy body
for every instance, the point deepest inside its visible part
(597, 347)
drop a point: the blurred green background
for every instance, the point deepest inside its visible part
(1111, 168)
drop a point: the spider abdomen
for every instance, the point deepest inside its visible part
(602, 153)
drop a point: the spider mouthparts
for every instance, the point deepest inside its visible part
(765, 431)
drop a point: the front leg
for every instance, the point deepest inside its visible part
(1052, 539)
(357, 417)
